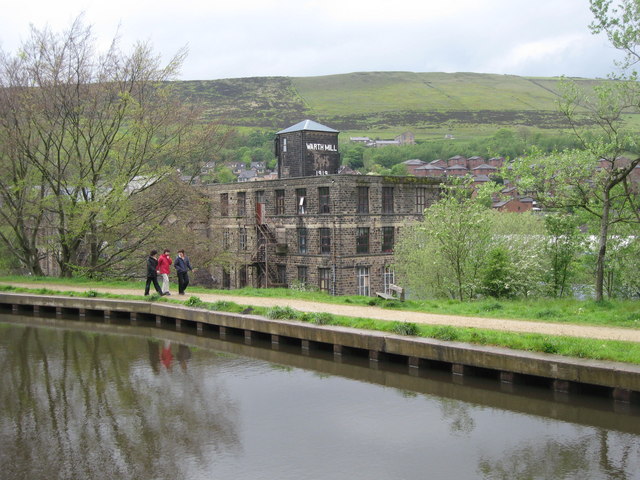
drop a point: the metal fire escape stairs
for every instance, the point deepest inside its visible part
(263, 257)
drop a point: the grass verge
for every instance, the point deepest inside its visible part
(610, 313)
(619, 351)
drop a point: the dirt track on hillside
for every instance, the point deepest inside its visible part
(605, 333)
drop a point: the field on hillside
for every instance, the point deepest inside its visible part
(385, 104)
(369, 92)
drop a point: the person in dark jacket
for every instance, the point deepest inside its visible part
(152, 272)
(182, 266)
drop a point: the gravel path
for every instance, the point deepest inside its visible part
(605, 333)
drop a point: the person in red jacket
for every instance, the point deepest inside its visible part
(164, 262)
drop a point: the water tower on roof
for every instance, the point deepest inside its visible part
(307, 149)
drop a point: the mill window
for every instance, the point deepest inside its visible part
(325, 241)
(387, 239)
(387, 199)
(324, 279)
(363, 200)
(302, 240)
(362, 240)
(323, 200)
(279, 202)
(224, 204)
(242, 204)
(363, 281)
(301, 201)
(421, 200)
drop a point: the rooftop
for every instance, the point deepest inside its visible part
(308, 125)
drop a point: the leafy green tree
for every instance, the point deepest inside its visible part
(521, 237)
(575, 179)
(399, 169)
(504, 142)
(596, 178)
(496, 273)
(561, 250)
(620, 21)
(223, 175)
(444, 254)
(353, 156)
(622, 264)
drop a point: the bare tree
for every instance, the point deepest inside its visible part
(90, 135)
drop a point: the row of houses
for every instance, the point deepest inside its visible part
(456, 166)
(480, 170)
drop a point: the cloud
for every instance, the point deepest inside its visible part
(320, 37)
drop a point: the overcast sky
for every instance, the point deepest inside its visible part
(246, 38)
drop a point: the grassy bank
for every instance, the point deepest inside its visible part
(610, 313)
(628, 352)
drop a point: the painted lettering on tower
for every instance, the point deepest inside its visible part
(307, 149)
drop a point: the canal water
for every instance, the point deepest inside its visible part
(85, 400)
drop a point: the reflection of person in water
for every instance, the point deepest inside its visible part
(166, 356)
(154, 355)
(183, 356)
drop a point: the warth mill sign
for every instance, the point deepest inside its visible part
(322, 147)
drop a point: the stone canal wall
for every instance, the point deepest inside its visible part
(563, 374)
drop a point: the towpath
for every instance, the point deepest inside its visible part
(604, 333)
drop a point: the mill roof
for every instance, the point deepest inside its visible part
(308, 125)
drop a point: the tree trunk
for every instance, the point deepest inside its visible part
(602, 247)
(34, 266)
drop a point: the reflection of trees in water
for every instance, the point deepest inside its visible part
(85, 405)
(457, 413)
(605, 454)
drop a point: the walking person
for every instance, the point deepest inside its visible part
(182, 267)
(152, 272)
(164, 262)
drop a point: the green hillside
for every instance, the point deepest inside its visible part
(385, 104)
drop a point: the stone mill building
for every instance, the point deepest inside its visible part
(313, 225)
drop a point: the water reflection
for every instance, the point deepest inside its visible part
(600, 455)
(98, 401)
(85, 405)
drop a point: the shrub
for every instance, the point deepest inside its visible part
(603, 304)
(547, 314)
(480, 338)
(549, 347)
(490, 307)
(405, 328)
(445, 333)
(91, 293)
(222, 306)
(393, 304)
(322, 318)
(298, 286)
(193, 302)
(282, 313)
